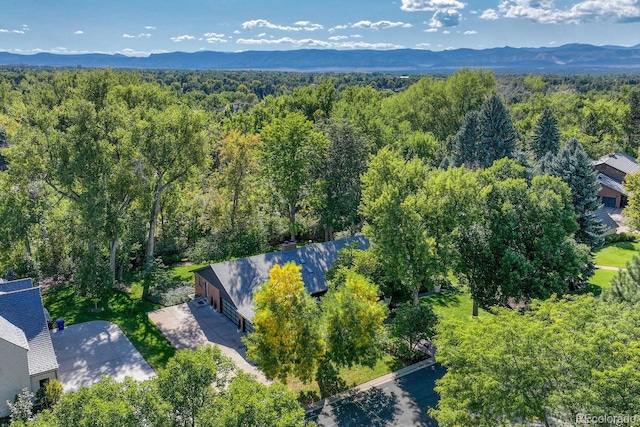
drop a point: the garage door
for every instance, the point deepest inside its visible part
(230, 311)
(609, 202)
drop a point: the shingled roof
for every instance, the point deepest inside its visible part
(11, 333)
(620, 161)
(607, 181)
(242, 277)
(23, 308)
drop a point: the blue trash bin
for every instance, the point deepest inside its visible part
(60, 323)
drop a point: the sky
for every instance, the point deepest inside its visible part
(142, 27)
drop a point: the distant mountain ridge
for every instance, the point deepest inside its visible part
(571, 58)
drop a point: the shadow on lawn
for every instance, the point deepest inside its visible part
(445, 299)
(624, 245)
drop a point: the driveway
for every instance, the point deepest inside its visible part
(402, 401)
(190, 325)
(86, 351)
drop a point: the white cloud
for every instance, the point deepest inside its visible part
(139, 36)
(446, 32)
(262, 34)
(182, 38)
(218, 35)
(338, 27)
(490, 15)
(336, 38)
(133, 52)
(144, 36)
(149, 27)
(431, 30)
(380, 25)
(430, 5)
(356, 36)
(319, 43)
(3, 30)
(298, 26)
(128, 36)
(79, 32)
(216, 39)
(17, 31)
(546, 12)
(470, 32)
(423, 45)
(445, 18)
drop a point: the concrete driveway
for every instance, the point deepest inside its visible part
(86, 351)
(190, 325)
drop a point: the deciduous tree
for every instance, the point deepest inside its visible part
(287, 338)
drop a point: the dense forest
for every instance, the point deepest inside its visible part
(104, 172)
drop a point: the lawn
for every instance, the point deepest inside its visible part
(617, 254)
(121, 308)
(456, 304)
(351, 376)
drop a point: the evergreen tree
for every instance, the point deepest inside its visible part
(625, 286)
(573, 166)
(546, 137)
(465, 146)
(497, 135)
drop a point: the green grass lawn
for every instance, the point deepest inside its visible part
(617, 254)
(121, 308)
(351, 376)
(455, 304)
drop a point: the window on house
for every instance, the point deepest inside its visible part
(44, 382)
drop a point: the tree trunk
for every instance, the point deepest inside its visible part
(292, 222)
(153, 224)
(27, 246)
(475, 308)
(416, 297)
(113, 247)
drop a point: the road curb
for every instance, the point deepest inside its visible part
(370, 384)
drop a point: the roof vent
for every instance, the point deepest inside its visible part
(302, 261)
(309, 270)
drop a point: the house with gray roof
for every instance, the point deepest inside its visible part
(26, 351)
(612, 170)
(229, 286)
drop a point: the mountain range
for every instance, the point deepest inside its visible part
(571, 58)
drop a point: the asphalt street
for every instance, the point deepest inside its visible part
(400, 402)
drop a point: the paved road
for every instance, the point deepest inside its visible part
(400, 402)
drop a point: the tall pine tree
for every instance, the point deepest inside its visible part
(465, 145)
(497, 135)
(634, 122)
(625, 286)
(546, 137)
(574, 167)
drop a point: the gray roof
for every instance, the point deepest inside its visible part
(607, 222)
(24, 309)
(242, 277)
(607, 181)
(16, 285)
(620, 161)
(11, 333)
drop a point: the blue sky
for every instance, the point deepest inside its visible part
(141, 27)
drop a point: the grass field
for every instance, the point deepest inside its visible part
(455, 304)
(617, 254)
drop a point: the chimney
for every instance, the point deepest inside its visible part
(289, 246)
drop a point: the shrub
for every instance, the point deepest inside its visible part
(621, 237)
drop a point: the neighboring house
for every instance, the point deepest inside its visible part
(27, 358)
(612, 170)
(230, 286)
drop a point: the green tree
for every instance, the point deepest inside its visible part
(353, 318)
(248, 403)
(546, 136)
(287, 339)
(520, 247)
(291, 149)
(340, 170)
(574, 167)
(190, 381)
(497, 134)
(633, 123)
(632, 210)
(625, 286)
(465, 147)
(561, 358)
(413, 325)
